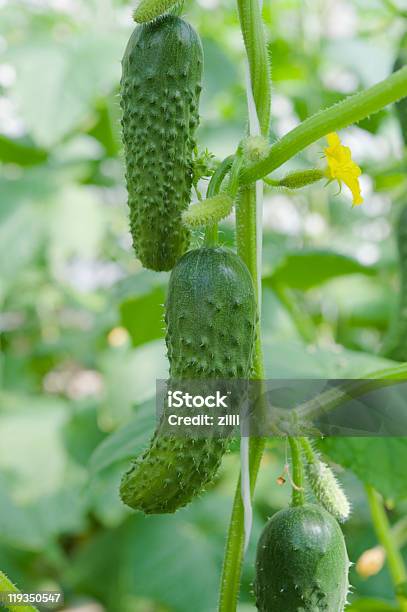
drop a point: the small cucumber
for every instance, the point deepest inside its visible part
(160, 89)
(302, 564)
(211, 317)
(148, 10)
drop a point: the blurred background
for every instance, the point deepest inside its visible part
(81, 323)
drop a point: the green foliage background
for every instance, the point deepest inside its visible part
(81, 323)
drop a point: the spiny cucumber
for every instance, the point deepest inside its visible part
(302, 563)
(208, 211)
(160, 89)
(211, 317)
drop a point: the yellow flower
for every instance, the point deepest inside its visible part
(342, 167)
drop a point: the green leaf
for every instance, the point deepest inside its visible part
(371, 605)
(143, 316)
(16, 525)
(21, 152)
(126, 442)
(311, 267)
(74, 73)
(289, 359)
(379, 462)
(170, 561)
(130, 378)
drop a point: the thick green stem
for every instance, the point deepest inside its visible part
(386, 539)
(341, 115)
(211, 232)
(257, 54)
(246, 237)
(211, 235)
(298, 497)
(246, 247)
(6, 586)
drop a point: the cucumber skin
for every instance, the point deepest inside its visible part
(211, 319)
(160, 89)
(302, 562)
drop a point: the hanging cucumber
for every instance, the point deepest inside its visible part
(210, 316)
(160, 89)
(301, 563)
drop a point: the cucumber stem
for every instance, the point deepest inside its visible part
(211, 231)
(386, 538)
(298, 498)
(350, 110)
(211, 235)
(257, 54)
(248, 243)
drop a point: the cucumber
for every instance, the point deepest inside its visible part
(302, 563)
(160, 89)
(211, 318)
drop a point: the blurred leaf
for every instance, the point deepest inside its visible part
(130, 378)
(219, 72)
(103, 495)
(34, 424)
(285, 359)
(21, 152)
(143, 316)
(106, 128)
(386, 472)
(126, 442)
(362, 301)
(371, 605)
(76, 226)
(158, 574)
(81, 434)
(72, 75)
(310, 267)
(18, 246)
(149, 557)
(143, 282)
(16, 525)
